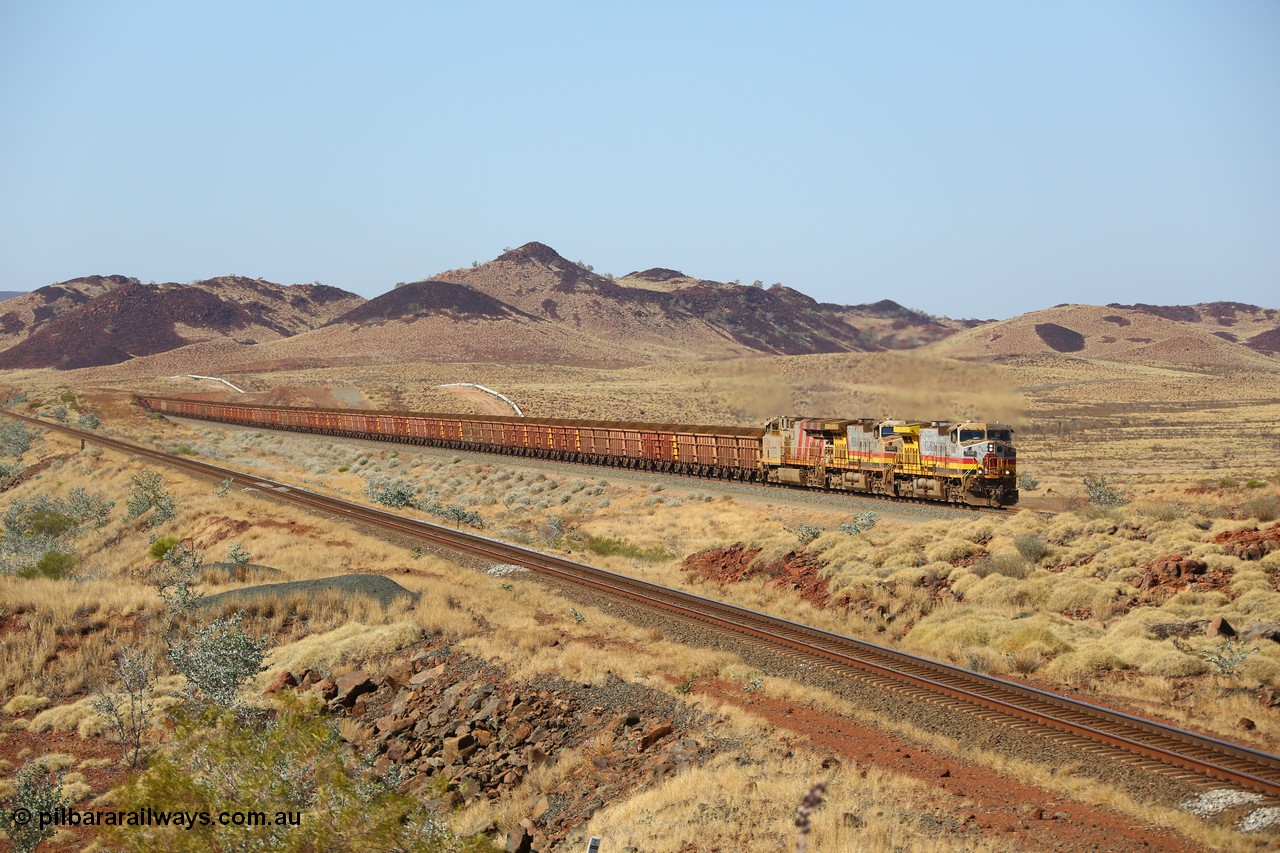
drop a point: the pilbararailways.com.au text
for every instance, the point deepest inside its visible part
(147, 816)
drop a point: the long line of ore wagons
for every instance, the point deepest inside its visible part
(706, 450)
(971, 463)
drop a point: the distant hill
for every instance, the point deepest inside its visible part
(419, 299)
(6, 295)
(22, 315)
(1175, 335)
(1237, 322)
(99, 320)
(700, 316)
(531, 304)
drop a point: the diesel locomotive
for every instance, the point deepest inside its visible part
(959, 463)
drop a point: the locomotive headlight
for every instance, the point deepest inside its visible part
(991, 446)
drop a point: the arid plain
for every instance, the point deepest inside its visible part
(1120, 600)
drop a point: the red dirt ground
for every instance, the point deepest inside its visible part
(798, 571)
(983, 802)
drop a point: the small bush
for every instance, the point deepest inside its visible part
(53, 565)
(806, 533)
(1263, 507)
(1255, 484)
(608, 546)
(48, 521)
(161, 547)
(87, 508)
(147, 494)
(1101, 493)
(392, 493)
(1028, 483)
(1228, 657)
(89, 421)
(1227, 482)
(175, 581)
(37, 789)
(1030, 546)
(238, 555)
(129, 711)
(1007, 564)
(25, 703)
(295, 764)
(860, 523)
(218, 661)
(1163, 511)
(15, 438)
(1026, 661)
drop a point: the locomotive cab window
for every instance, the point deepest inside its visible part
(971, 435)
(1000, 434)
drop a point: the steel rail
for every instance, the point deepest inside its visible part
(1203, 754)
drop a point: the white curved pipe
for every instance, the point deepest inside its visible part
(503, 397)
(216, 379)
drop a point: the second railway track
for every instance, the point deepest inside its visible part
(1143, 741)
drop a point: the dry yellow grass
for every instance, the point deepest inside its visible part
(24, 703)
(1003, 623)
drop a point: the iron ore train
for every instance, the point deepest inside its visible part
(959, 463)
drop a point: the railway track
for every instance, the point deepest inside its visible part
(1143, 742)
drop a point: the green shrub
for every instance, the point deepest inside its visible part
(1228, 657)
(161, 547)
(37, 789)
(1028, 483)
(238, 555)
(88, 508)
(218, 661)
(806, 533)
(860, 523)
(55, 564)
(15, 438)
(1030, 546)
(89, 421)
(392, 493)
(293, 767)
(147, 494)
(1102, 493)
(1255, 484)
(608, 546)
(48, 521)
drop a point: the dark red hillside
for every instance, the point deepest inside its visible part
(425, 298)
(129, 321)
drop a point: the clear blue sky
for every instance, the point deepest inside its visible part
(972, 159)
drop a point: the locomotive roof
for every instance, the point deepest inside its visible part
(748, 432)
